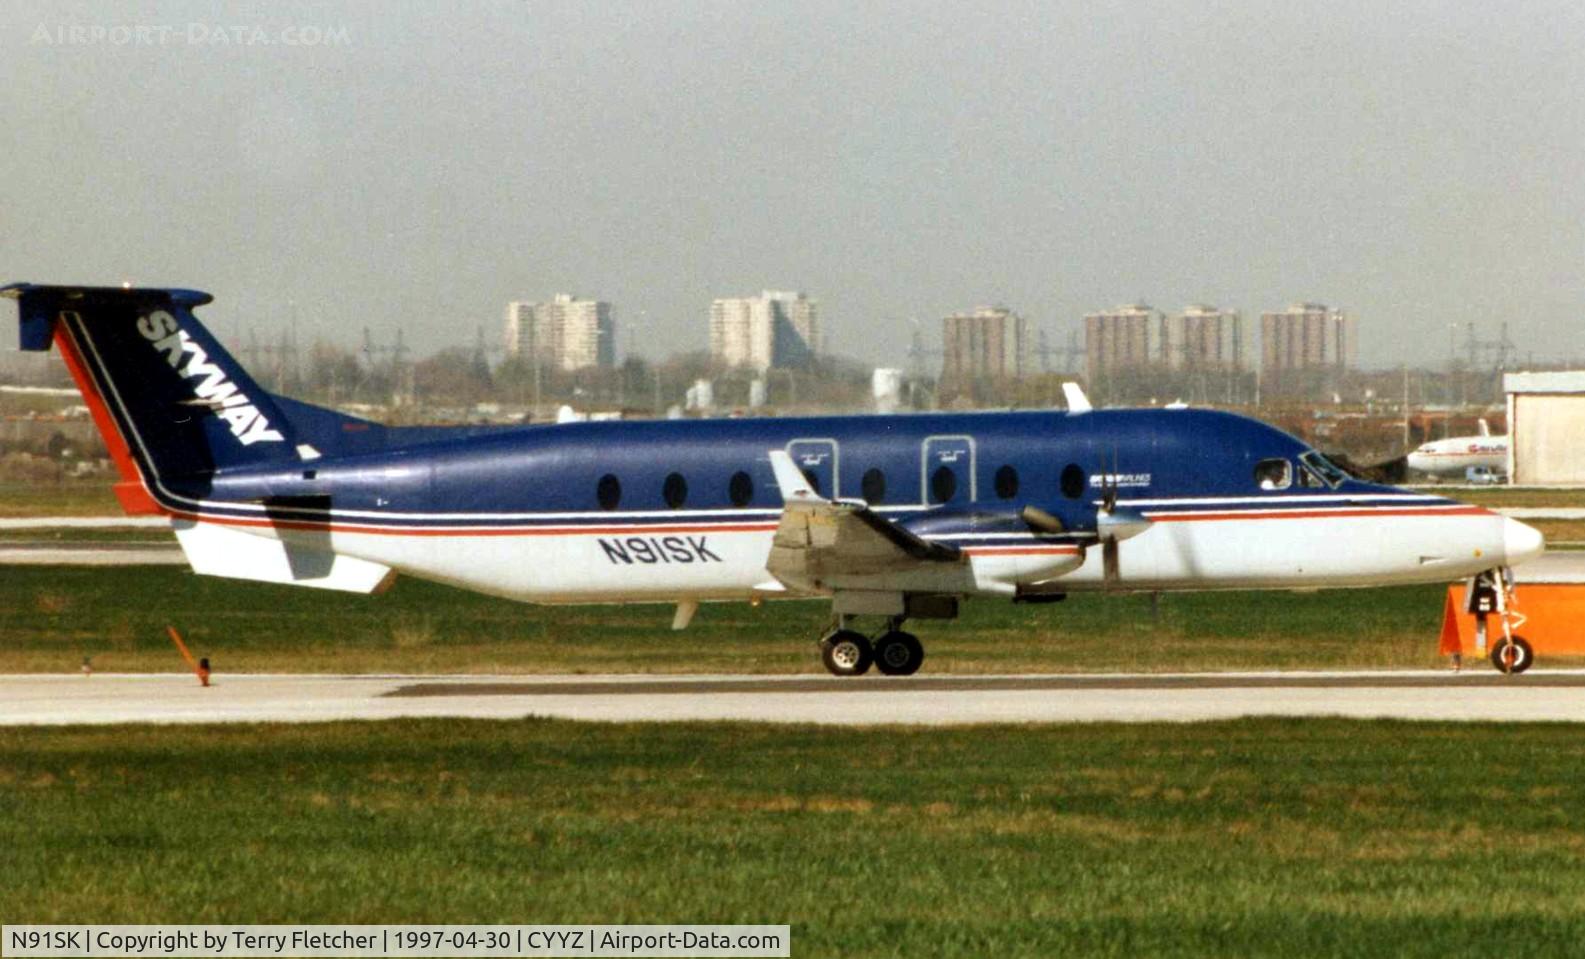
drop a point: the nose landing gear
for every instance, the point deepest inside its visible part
(1492, 593)
(1512, 655)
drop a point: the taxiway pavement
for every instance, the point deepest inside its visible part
(43, 553)
(1478, 694)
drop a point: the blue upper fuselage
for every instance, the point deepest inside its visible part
(998, 462)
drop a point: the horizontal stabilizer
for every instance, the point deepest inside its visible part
(215, 550)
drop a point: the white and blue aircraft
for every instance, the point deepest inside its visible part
(888, 517)
(1455, 456)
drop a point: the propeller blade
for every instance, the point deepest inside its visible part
(1109, 485)
(1110, 573)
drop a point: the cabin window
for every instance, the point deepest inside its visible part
(1073, 481)
(1006, 482)
(873, 486)
(740, 488)
(608, 492)
(943, 484)
(1273, 474)
(675, 490)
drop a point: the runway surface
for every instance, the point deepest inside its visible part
(1558, 566)
(1476, 695)
(43, 553)
(85, 522)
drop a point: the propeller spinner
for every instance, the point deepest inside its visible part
(1113, 525)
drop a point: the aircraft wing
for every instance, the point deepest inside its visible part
(821, 543)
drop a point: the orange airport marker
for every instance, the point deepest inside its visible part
(1550, 623)
(200, 667)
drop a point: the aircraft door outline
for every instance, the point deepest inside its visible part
(819, 459)
(957, 453)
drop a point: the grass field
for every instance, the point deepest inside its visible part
(1560, 533)
(50, 617)
(1497, 497)
(70, 498)
(70, 535)
(1301, 838)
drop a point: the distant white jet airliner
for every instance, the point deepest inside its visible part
(1452, 457)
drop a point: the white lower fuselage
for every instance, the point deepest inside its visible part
(1190, 546)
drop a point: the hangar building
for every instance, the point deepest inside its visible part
(1546, 427)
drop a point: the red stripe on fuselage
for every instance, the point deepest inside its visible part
(316, 526)
(639, 529)
(1021, 550)
(1320, 513)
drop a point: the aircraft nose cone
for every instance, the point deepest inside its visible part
(1520, 542)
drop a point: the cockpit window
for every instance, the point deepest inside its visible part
(1273, 474)
(1324, 468)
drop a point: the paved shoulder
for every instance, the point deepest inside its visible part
(1557, 695)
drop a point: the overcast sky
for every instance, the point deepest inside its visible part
(1415, 164)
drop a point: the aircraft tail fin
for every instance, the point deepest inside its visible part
(168, 398)
(794, 485)
(1077, 401)
(1485, 427)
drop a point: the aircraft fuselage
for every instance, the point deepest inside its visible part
(689, 507)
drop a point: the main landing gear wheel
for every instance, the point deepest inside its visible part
(846, 653)
(898, 653)
(1515, 657)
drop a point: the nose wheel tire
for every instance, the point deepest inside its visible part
(846, 653)
(1515, 657)
(899, 654)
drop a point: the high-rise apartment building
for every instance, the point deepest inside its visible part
(1307, 336)
(520, 339)
(732, 333)
(1125, 338)
(988, 343)
(1205, 338)
(566, 333)
(775, 329)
